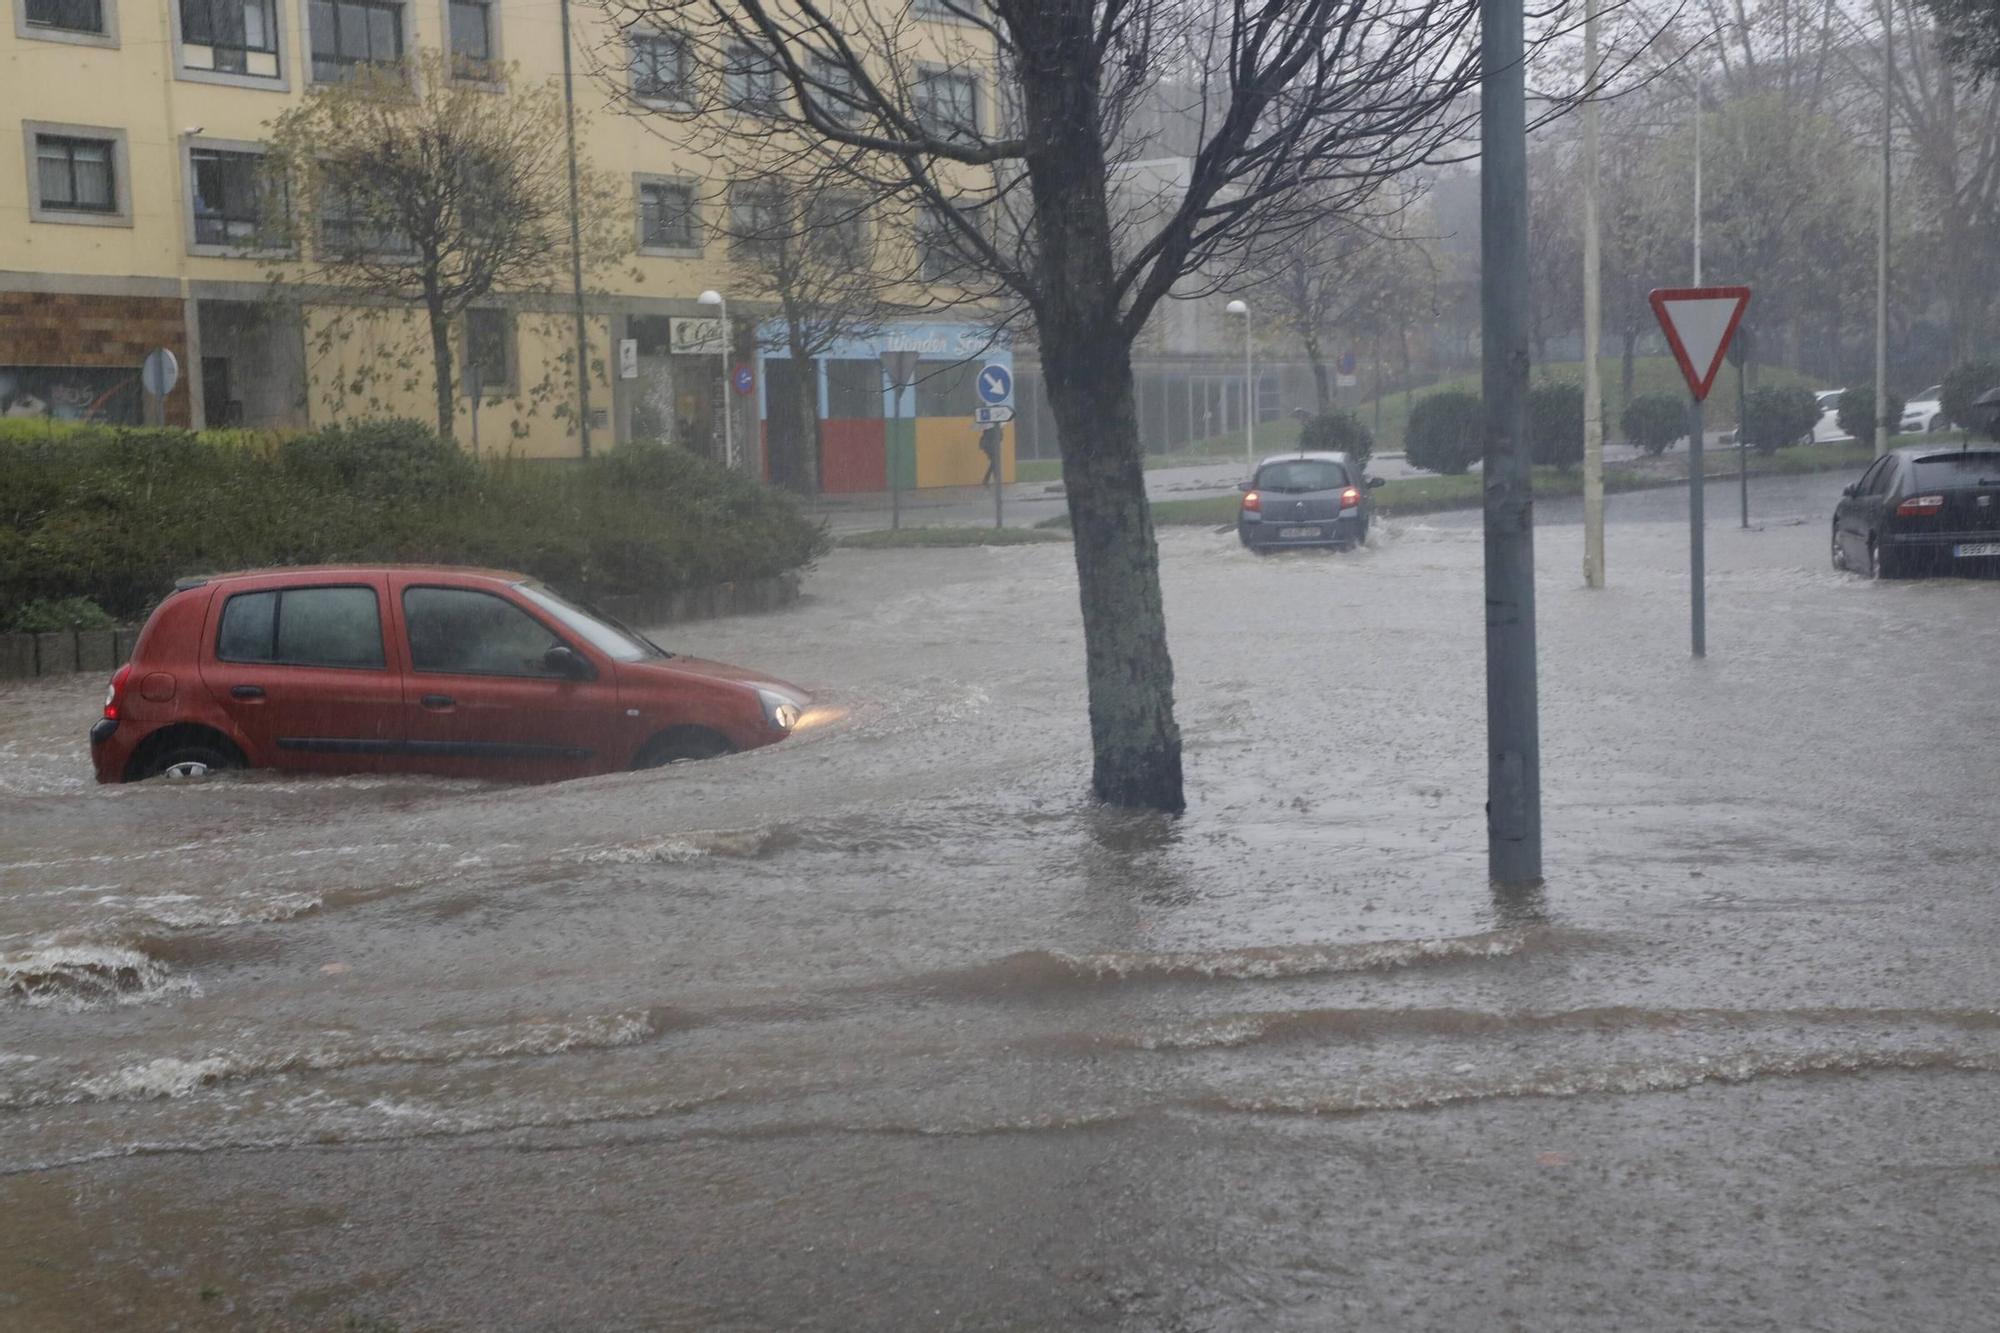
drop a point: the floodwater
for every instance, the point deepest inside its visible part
(887, 1027)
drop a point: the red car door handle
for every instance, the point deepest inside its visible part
(437, 701)
(246, 692)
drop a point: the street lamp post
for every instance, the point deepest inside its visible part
(1249, 385)
(714, 298)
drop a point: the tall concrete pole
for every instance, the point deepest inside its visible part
(1697, 178)
(576, 245)
(1513, 728)
(1593, 388)
(1885, 424)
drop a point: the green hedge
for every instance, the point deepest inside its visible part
(117, 515)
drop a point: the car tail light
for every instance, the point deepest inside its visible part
(1350, 497)
(1920, 506)
(1252, 502)
(114, 698)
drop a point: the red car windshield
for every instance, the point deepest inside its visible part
(614, 641)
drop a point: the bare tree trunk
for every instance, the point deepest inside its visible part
(1087, 370)
(441, 366)
(1135, 743)
(1321, 384)
(805, 460)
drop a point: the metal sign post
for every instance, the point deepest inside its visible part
(1699, 323)
(996, 386)
(158, 376)
(1739, 352)
(901, 368)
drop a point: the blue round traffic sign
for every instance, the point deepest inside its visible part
(743, 380)
(996, 384)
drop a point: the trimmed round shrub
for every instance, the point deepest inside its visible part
(1337, 432)
(1652, 421)
(1965, 383)
(1445, 433)
(1555, 424)
(394, 459)
(1778, 415)
(1857, 413)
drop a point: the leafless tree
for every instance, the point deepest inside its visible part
(404, 187)
(1003, 130)
(807, 248)
(1359, 274)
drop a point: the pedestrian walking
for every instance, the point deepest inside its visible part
(989, 444)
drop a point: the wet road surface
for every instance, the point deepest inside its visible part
(886, 1027)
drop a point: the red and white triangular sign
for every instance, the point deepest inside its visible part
(1699, 322)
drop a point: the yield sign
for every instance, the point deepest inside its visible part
(1699, 322)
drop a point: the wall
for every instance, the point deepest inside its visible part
(111, 332)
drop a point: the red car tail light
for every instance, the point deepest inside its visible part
(1920, 506)
(1252, 502)
(1350, 497)
(114, 698)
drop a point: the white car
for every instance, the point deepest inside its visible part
(1828, 430)
(1925, 412)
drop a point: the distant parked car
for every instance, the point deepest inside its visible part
(1828, 430)
(460, 672)
(1313, 499)
(1921, 509)
(1924, 413)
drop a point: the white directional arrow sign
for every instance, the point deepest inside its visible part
(1699, 322)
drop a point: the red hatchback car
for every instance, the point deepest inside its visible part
(463, 672)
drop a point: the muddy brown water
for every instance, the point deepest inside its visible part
(887, 1027)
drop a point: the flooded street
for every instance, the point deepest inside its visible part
(887, 1027)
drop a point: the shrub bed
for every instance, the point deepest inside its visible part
(116, 515)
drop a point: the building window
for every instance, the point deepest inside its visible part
(489, 352)
(76, 175)
(938, 257)
(838, 227)
(67, 15)
(750, 82)
(229, 199)
(350, 35)
(347, 226)
(946, 103)
(661, 71)
(472, 54)
(666, 216)
(833, 90)
(757, 221)
(230, 36)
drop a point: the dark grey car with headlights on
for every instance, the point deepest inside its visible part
(1318, 499)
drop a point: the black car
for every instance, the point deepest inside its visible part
(1922, 509)
(1317, 499)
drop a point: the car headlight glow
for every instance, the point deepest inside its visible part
(779, 710)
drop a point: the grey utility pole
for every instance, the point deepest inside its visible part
(1885, 425)
(576, 247)
(1513, 728)
(1593, 389)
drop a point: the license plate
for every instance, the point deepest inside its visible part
(1977, 549)
(1286, 534)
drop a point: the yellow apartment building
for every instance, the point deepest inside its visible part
(127, 202)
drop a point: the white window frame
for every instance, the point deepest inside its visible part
(685, 102)
(37, 33)
(640, 180)
(496, 57)
(121, 175)
(404, 28)
(278, 83)
(509, 387)
(189, 146)
(771, 71)
(928, 75)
